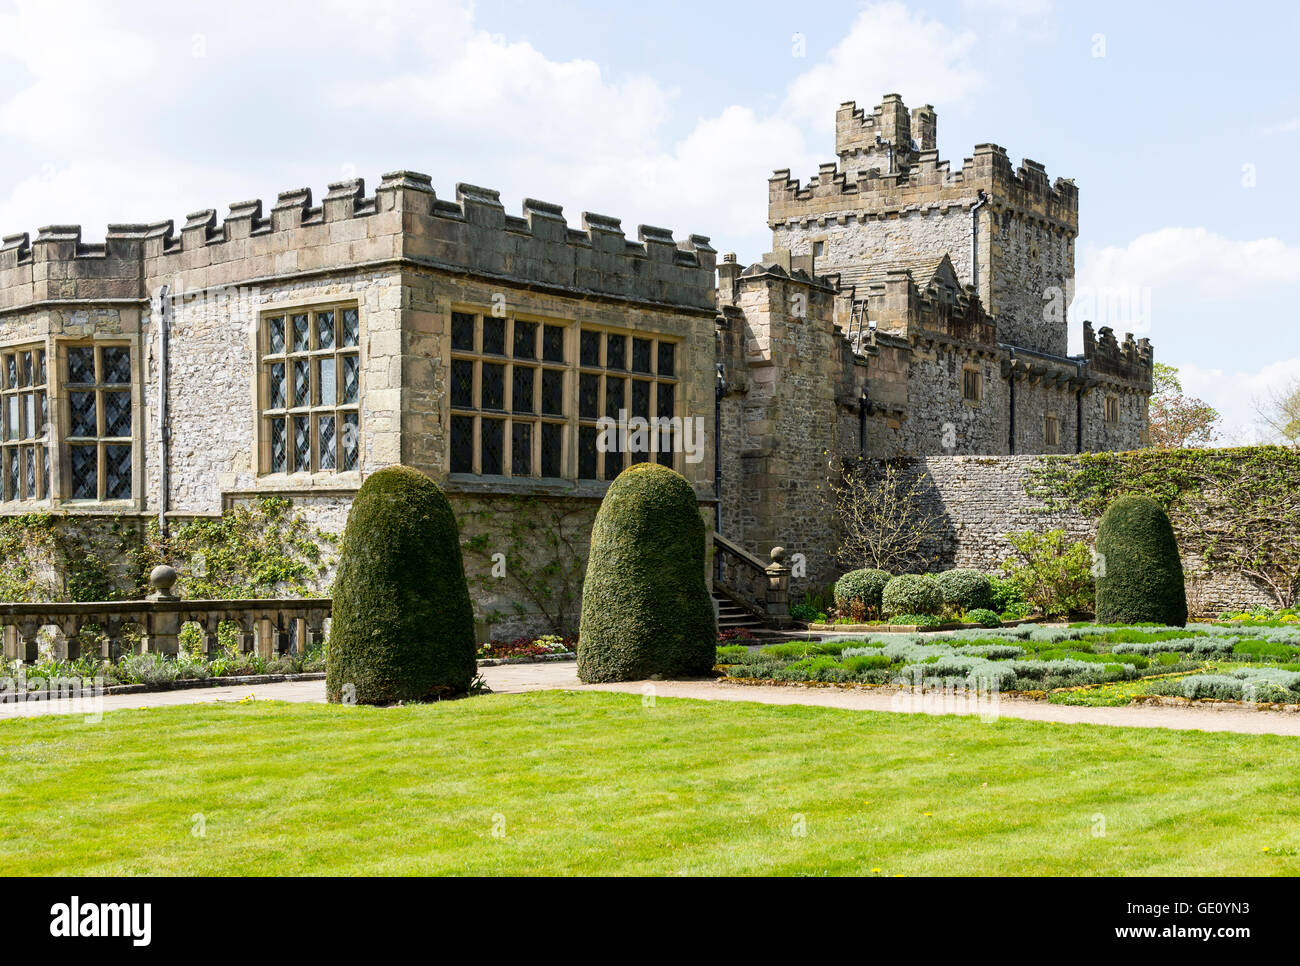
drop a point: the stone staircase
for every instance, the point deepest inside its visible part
(732, 616)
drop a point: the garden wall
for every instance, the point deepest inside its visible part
(979, 499)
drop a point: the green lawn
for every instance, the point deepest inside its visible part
(597, 783)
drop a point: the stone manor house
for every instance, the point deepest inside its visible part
(905, 309)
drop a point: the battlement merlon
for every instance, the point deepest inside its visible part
(1130, 361)
(926, 184)
(403, 222)
(890, 126)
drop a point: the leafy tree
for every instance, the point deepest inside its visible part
(1053, 574)
(1279, 414)
(1174, 420)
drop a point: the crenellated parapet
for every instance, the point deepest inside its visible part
(1130, 361)
(403, 221)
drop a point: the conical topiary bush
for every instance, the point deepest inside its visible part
(1138, 571)
(646, 609)
(403, 626)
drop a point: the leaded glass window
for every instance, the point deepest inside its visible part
(100, 423)
(507, 396)
(635, 378)
(311, 394)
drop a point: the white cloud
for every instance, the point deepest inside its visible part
(1288, 126)
(888, 49)
(1235, 394)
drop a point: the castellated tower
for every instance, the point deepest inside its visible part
(889, 202)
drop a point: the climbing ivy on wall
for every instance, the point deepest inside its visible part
(1237, 509)
(263, 549)
(530, 550)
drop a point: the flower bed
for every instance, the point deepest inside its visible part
(528, 647)
(1113, 665)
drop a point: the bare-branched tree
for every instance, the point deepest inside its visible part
(883, 514)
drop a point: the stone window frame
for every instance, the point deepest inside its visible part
(972, 375)
(469, 412)
(1110, 409)
(344, 414)
(814, 241)
(65, 389)
(1051, 429)
(20, 470)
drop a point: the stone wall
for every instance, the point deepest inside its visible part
(980, 499)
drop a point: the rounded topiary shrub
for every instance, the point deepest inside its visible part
(1138, 570)
(403, 626)
(646, 609)
(865, 585)
(965, 589)
(911, 594)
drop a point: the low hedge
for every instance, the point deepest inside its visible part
(911, 594)
(865, 585)
(964, 589)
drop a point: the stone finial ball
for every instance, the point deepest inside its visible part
(778, 554)
(162, 577)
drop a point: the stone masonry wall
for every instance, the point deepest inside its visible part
(980, 499)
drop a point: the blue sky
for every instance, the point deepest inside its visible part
(1180, 123)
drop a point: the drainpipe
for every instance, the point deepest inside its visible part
(1011, 428)
(981, 200)
(1078, 409)
(164, 431)
(720, 390)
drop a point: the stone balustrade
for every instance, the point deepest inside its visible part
(763, 588)
(271, 626)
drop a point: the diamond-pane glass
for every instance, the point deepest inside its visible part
(301, 334)
(553, 392)
(45, 472)
(616, 352)
(613, 463)
(275, 335)
(521, 401)
(11, 371)
(326, 441)
(40, 367)
(13, 428)
(462, 444)
(521, 449)
(493, 390)
(553, 343)
(462, 332)
(552, 449)
(589, 348)
(640, 398)
(277, 385)
(326, 387)
(666, 399)
(640, 355)
(29, 473)
(667, 358)
(28, 369)
(45, 414)
(279, 448)
(494, 336)
(81, 365)
(11, 474)
(588, 396)
(301, 382)
(351, 441)
(587, 452)
(351, 327)
(351, 378)
(85, 468)
(117, 414)
(81, 406)
(115, 365)
(117, 472)
(613, 396)
(525, 346)
(491, 446)
(324, 330)
(301, 443)
(462, 383)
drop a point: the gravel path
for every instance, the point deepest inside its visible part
(517, 678)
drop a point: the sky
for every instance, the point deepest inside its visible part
(1179, 123)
